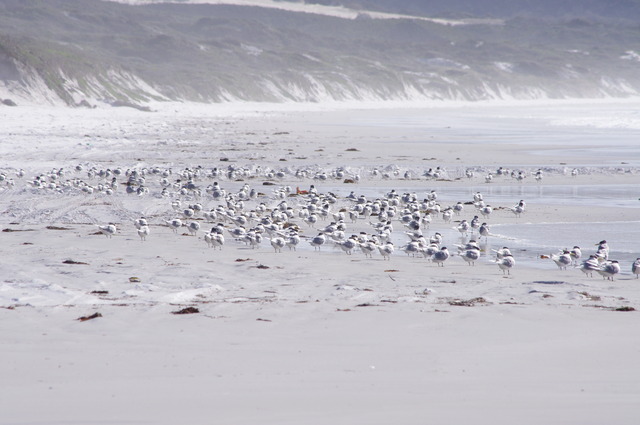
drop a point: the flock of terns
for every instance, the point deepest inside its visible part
(281, 223)
(598, 262)
(277, 225)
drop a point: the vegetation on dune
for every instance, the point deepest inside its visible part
(96, 49)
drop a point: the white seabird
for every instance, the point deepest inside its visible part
(311, 219)
(562, 260)
(348, 245)
(470, 256)
(440, 256)
(517, 210)
(188, 213)
(429, 250)
(143, 232)
(576, 254)
(174, 224)
(502, 252)
(317, 241)
(436, 239)
(474, 223)
(484, 230)
(214, 239)
(506, 263)
(237, 232)
(386, 250)
(193, 227)
(486, 211)
(603, 250)
(447, 214)
(140, 222)
(609, 269)
(109, 230)
(411, 248)
(463, 227)
(277, 243)
(635, 267)
(292, 241)
(367, 248)
(590, 265)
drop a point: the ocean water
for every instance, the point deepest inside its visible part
(534, 240)
(607, 131)
(619, 195)
(615, 195)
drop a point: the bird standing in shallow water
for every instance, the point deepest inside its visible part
(475, 223)
(518, 209)
(484, 231)
(486, 211)
(447, 214)
(463, 227)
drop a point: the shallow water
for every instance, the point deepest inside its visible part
(529, 241)
(534, 240)
(616, 195)
(622, 195)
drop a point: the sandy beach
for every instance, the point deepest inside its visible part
(317, 336)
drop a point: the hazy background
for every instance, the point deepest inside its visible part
(84, 52)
